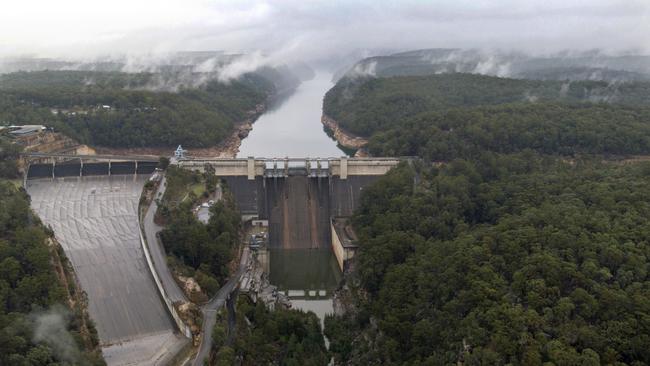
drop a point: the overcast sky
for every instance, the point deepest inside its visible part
(301, 29)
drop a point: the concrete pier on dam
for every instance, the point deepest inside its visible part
(92, 207)
(298, 197)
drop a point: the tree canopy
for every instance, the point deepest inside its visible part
(31, 293)
(507, 260)
(513, 239)
(278, 337)
(384, 108)
(206, 249)
(114, 109)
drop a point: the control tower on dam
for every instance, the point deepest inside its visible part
(95, 218)
(298, 197)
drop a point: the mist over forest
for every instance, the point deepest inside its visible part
(512, 228)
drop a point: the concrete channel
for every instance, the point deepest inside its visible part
(95, 220)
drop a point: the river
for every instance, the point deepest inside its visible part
(293, 128)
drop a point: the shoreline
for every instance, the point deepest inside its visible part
(228, 148)
(344, 138)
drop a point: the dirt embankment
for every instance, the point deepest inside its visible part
(228, 148)
(345, 138)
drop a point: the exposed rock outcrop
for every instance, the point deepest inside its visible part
(344, 138)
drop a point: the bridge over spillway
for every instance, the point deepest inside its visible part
(298, 196)
(54, 165)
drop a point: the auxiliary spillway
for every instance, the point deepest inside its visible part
(95, 220)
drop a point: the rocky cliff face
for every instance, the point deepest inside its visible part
(344, 138)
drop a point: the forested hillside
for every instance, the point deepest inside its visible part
(507, 259)
(550, 128)
(43, 320)
(270, 337)
(366, 106)
(114, 109)
(590, 65)
(512, 238)
(442, 117)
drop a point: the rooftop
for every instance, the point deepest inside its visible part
(25, 130)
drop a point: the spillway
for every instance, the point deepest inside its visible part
(298, 208)
(95, 220)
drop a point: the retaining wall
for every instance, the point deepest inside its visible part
(170, 306)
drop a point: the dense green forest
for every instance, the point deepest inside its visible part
(264, 337)
(549, 128)
(8, 157)
(512, 239)
(204, 249)
(115, 109)
(367, 106)
(38, 326)
(508, 259)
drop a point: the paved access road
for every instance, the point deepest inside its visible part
(172, 289)
(211, 308)
(95, 219)
(157, 251)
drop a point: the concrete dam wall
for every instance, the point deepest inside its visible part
(298, 208)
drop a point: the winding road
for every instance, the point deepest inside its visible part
(174, 292)
(211, 308)
(157, 251)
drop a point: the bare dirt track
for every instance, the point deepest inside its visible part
(95, 220)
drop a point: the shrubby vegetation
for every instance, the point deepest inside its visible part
(140, 115)
(279, 337)
(35, 327)
(366, 106)
(508, 259)
(206, 249)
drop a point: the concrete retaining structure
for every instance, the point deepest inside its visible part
(184, 329)
(344, 243)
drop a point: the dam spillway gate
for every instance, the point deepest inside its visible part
(298, 197)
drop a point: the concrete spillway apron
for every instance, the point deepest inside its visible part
(96, 221)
